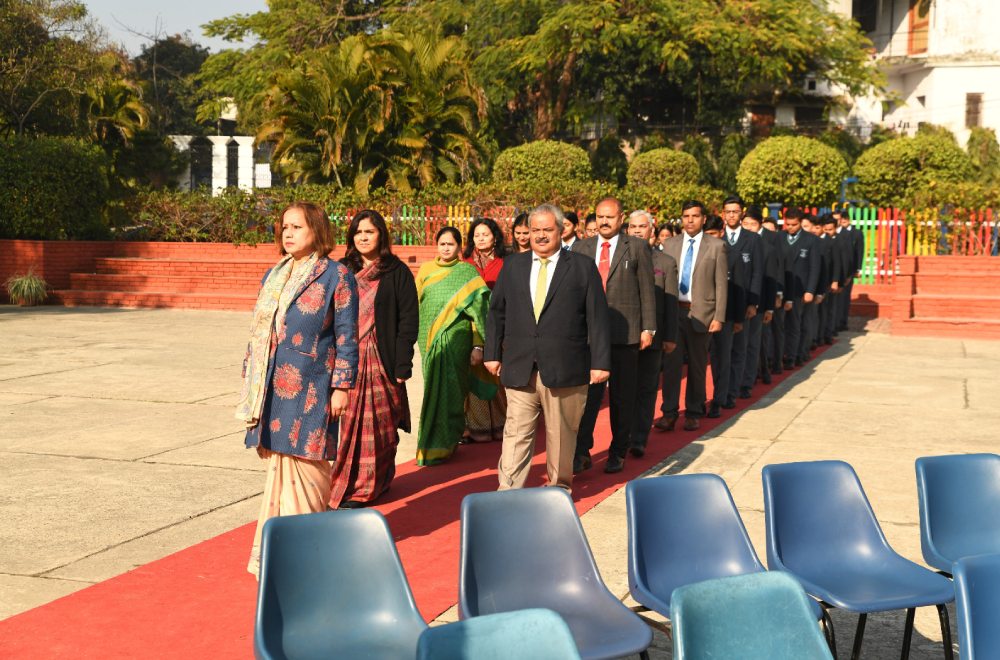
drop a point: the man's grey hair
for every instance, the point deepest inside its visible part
(641, 213)
(550, 209)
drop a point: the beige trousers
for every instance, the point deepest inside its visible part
(294, 485)
(563, 408)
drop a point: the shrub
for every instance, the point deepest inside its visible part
(52, 188)
(27, 290)
(892, 171)
(798, 170)
(732, 151)
(665, 201)
(662, 168)
(542, 161)
(849, 146)
(967, 195)
(984, 152)
(608, 161)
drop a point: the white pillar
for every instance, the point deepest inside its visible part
(219, 162)
(244, 172)
(182, 143)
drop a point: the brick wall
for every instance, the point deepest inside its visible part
(51, 260)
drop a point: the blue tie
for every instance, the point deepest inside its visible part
(686, 271)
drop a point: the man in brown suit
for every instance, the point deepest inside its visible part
(702, 289)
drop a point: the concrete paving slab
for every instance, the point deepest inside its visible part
(227, 451)
(131, 554)
(59, 510)
(984, 393)
(20, 592)
(102, 428)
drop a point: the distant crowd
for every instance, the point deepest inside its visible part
(511, 330)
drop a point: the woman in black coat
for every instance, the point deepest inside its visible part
(387, 330)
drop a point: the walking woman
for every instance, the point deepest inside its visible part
(453, 303)
(387, 329)
(521, 234)
(484, 420)
(300, 363)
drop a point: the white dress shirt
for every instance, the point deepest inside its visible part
(733, 235)
(533, 278)
(611, 251)
(686, 241)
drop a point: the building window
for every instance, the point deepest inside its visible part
(865, 12)
(973, 110)
(920, 22)
(232, 164)
(201, 163)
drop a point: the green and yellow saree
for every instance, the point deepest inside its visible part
(454, 301)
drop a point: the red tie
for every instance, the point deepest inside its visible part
(604, 264)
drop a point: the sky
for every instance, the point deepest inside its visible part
(165, 17)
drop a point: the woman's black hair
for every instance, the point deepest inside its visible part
(521, 219)
(386, 259)
(498, 248)
(449, 230)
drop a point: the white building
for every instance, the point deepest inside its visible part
(941, 59)
(223, 161)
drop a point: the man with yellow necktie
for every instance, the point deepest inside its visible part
(547, 338)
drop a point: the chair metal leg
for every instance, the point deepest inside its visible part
(644, 655)
(949, 654)
(828, 632)
(859, 636)
(907, 633)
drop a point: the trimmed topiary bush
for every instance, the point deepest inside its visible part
(793, 170)
(662, 168)
(666, 201)
(542, 161)
(892, 171)
(52, 188)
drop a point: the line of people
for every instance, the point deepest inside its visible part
(574, 310)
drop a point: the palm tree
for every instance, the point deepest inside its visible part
(114, 113)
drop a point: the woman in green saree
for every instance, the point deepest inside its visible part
(454, 301)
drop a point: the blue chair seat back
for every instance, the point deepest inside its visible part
(531, 634)
(760, 616)
(959, 507)
(977, 605)
(332, 585)
(683, 529)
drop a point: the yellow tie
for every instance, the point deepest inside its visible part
(541, 286)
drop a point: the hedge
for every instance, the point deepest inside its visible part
(893, 171)
(663, 168)
(543, 161)
(52, 188)
(792, 170)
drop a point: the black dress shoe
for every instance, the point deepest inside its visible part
(798, 362)
(581, 463)
(729, 404)
(766, 377)
(638, 451)
(713, 411)
(788, 363)
(745, 393)
(614, 464)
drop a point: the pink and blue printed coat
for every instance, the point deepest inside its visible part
(316, 350)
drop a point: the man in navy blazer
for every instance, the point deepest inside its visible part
(548, 339)
(801, 287)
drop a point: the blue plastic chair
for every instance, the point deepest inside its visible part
(684, 529)
(821, 529)
(977, 603)
(759, 616)
(526, 548)
(959, 507)
(535, 634)
(332, 586)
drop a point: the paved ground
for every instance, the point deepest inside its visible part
(118, 445)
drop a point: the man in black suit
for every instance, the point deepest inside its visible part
(841, 258)
(746, 250)
(720, 351)
(856, 238)
(626, 271)
(769, 292)
(800, 289)
(774, 332)
(547, 338)
(812, 316)
(640, 226)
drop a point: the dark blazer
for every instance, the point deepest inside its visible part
(774, 269)
(751, 249)
(803, 265)
(631, 294)
(396, 320)
(571, 336)
(824, 250)
(858, 242)
(665, 281)
(746, 274)
(844, 251)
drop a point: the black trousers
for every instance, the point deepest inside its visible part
(647, 387)
(844, 305)
(720, 355)
(753, 331)
(793, 330)
(621, 387)
(829, 309)
(695, 344)
(775, 337)
(810, 326)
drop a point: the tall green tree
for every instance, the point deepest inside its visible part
(167, 68)
(384, 110)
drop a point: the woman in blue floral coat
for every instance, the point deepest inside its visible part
(301, 360)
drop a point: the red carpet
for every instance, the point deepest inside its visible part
(199, 602)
